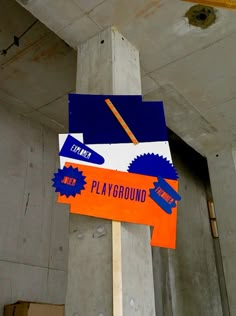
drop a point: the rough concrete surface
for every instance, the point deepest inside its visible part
(223, 181)
(108, 64)
(186, 280)
(33, 227)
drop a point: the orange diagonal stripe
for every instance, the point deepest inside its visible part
(121, 121)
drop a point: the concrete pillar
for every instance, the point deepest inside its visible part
(223, 182)
(109, 64)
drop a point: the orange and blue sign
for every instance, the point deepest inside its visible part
(103, 174)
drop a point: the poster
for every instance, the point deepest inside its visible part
(116, 164)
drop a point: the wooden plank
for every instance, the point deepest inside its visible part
(229, 4)
(117, 269)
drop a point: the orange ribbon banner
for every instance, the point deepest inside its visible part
(124, 197)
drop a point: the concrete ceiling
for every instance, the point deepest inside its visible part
(191, 69)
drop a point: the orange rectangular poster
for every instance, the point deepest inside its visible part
(131, 181)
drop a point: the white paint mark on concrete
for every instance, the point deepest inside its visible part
(182, 27)
(234, 157)
(132, 303)
(80, 236)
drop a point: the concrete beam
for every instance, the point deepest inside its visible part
(109, 64)
(223, 182)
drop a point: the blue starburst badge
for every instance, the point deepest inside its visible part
(151, 164)
(69, 181)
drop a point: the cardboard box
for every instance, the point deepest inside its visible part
(33, 309)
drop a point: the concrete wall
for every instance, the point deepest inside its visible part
(223, 182)
(186, 280)
(33, 228)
